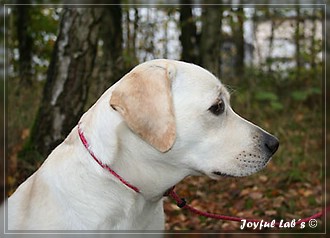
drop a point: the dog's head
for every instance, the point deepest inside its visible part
(183, 111)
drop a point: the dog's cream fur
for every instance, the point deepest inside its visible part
(154, 128)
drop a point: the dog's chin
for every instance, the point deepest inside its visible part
(218, 175)
(221, 174)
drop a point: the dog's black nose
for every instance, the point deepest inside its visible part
(271, 143)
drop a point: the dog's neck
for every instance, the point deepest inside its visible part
(124, 152)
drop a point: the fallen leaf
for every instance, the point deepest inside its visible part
(270, 212)
(256, 195)
(278, 201)
(263, 178)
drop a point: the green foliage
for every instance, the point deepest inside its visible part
(202, 219)
(312, 201)
(295, 175)
(266, 96)
(292, 206)
(249, 203)
(29, 155)
(303, 94)
(42, 29)
(270, 97)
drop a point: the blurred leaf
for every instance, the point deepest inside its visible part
(266, 96)
(276, 105)
(315, 90)
(249, 203)
(271, 212)
(303, 94)
(270, 97)
(256, 195)
(299, 95)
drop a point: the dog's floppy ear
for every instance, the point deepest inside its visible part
(143, 98)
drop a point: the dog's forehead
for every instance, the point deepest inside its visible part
(199, 81)
(191, 78)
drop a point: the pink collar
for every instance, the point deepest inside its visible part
(105, 166)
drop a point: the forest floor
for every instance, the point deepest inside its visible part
(261, 196)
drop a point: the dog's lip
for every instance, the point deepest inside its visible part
(218, 173)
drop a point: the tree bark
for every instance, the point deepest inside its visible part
(67, 84)
(297, 43)
(271, 13)
(25, 44)
(211, 39)
(239, 40)
(188, 35)
(112, 65)
(313, 43)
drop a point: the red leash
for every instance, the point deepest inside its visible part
(180, 201)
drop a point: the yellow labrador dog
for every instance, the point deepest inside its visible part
(163, 121)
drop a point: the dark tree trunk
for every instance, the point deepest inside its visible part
(239, 40)
(112, 35)
(25, 43)
(188, 35)
(211, 39)
(67, 84)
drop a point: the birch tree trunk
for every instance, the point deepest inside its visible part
(67, 84)
(271, 14)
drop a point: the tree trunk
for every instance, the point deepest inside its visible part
(211, 39)
(112, 65)
(131, 28)
(135, 30)
(239, 40)
(68, 75)
(297, 43)
(25, 43)
(271, 14)
(313, 44)
(188, 35)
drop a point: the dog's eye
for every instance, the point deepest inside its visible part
(217, 108)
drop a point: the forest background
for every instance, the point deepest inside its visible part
(58, 59)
